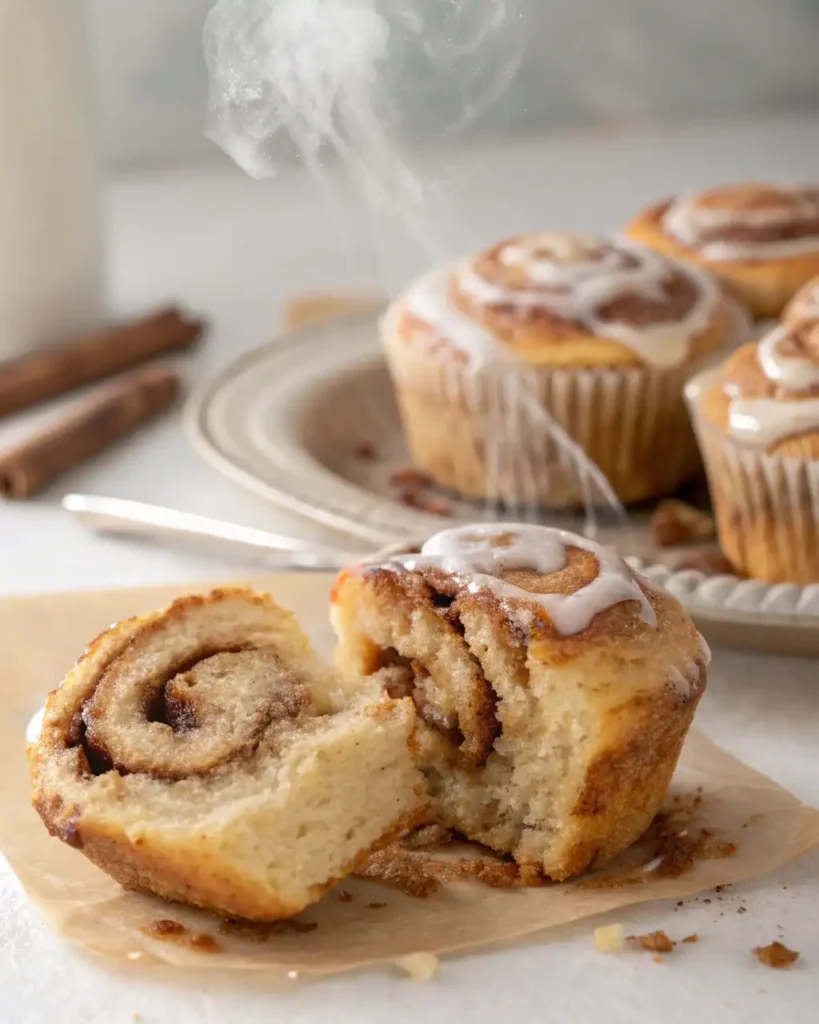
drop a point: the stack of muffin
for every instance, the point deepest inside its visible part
(523, 371)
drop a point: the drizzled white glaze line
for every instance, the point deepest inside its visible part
(766, 421)
(687, 221)
(573, 291)
(468, 552)
(792, 372)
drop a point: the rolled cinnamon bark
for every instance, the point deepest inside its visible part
(97, 423)
(54, 371)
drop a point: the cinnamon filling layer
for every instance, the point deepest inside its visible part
(175, 717)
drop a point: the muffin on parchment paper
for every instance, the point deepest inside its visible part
(200, 753)
(757, 418)
(554, 686)
(762, 240)
(588, 337)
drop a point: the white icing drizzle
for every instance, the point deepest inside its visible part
(688, 220)
(792, 372)
(35, 726)
(469, 552)
(573, 276)
(766, 421)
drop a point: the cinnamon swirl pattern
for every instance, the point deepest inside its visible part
(511, 641)
(758, 422)
(761, 239)
(197, 753)
(520, 371)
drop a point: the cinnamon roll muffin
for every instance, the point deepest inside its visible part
(757, 418)
(516, 368)
(762, 240)
(554, 686)
(804, 306)
(199, 753)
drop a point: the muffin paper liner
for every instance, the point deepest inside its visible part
(766, 505)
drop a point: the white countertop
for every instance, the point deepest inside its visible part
(237, 250)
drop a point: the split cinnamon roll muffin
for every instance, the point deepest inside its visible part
(554, 686)
(757, 418)
(516, 367)
(199, 753)
(760, 239)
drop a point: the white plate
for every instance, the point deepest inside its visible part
(286, 420)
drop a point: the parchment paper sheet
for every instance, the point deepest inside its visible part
(40, 637)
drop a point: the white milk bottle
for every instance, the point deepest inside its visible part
(51, 254)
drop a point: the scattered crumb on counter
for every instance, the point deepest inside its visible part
(709, 560)
(692, 938)
(776, 954)
(433, 506)
(654, 942)
(365, 451)
(657, 959)
(420, 966)
(345, 896)
(609, 938)
(675, 522)
(409, 476)
(375, 906)
(742, 910)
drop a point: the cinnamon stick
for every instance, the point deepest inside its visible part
(93, 426)
(45, 374)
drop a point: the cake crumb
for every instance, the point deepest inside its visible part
(708, 559)
(204, 943)
(365, 451)
(657, 959)
(345, 896)
(165, 928)
(609, 938)
(692, 938)
(375, 906)
(419, 966)
(409, 476)
(675, 522)
(654, 942)
(776, 954)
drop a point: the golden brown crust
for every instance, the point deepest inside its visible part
(765, 285)
(538, 335)
(805, 304)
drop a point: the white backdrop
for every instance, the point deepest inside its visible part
(589, 62)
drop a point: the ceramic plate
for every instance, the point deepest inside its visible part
(288, 421)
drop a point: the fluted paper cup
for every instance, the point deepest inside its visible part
(766, 505)
(525, 434)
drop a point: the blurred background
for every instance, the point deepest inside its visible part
(590, 63)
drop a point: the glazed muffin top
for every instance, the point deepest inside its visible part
(747, 222)
(766, 395)
(563, 299)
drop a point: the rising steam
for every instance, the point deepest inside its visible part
(342, 78)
